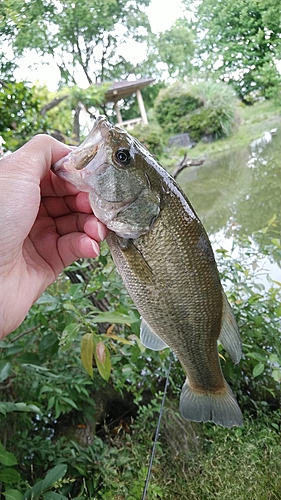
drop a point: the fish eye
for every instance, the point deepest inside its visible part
(123, 157)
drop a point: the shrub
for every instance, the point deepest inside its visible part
(199, 123)
(151, 137)
(173, 103)
(221, 102)
(202, 109)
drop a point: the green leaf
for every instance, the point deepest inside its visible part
(115, 317)
(34, 492)
(5, 345)
(102, 358)
(274, 359)
(51, 495)
(87, 352)
(258, 369)
(3, 408)
(11, 494)
(278, 309)
(69, 334)
(69, 401)
(7, 458)
(257, 356)
(49, 342)
(273, 219)
(46, 298)
(5, 370)
(51, 402)
(26, 407)
(276, 374)
(276, 242)
(54, 475)
(9, 476)
(15, 349)
(120, 339)
(29, 358)
(23, 407)
(51, 478)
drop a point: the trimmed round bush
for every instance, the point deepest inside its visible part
(204, 109)
(174, 102)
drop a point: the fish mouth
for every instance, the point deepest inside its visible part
(80, 157)
(91, 158)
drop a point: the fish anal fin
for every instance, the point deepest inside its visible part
(229, 335)
(221, 409)
(150, 339)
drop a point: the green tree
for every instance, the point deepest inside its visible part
(79, 35)
(176, 49)
(27, 110)
(20, 116)
(83, 39)
(240, 41)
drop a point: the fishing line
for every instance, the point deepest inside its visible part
(157, 429)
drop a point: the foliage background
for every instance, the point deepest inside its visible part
(66, 433)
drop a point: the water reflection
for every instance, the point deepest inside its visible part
(237, 193)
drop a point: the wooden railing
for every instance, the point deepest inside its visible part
(129, 124)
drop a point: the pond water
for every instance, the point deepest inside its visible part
(237, 193)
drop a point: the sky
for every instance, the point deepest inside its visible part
(162, 14)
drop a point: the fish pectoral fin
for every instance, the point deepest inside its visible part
(150, 339)
(134, 259)
(229, 335)
(221, 409)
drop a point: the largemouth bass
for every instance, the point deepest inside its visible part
(166, 261)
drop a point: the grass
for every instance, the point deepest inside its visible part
(255, 120)
(194, 461)
(236, 464)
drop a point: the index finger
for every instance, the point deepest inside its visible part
(52, 185)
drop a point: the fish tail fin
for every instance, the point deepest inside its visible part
(221, 409)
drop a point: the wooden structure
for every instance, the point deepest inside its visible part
(125, 88)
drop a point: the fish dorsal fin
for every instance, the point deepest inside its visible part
(150, 339)
(229, 335)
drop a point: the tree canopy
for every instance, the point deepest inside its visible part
(77, 34)
(176, 49)
(240, 41)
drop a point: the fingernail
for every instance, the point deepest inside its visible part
(102, 230)
(96, 247)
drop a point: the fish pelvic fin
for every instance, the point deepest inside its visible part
(229, 335)
(150, 339)
(221, 409)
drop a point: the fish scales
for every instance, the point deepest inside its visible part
(169, 255)
(165, 259)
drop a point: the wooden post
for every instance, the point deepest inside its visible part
(118, 113)
(142, 108)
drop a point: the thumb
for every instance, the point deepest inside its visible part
(36, 157)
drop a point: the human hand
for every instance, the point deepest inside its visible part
(45, 225)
